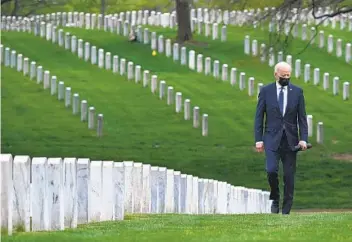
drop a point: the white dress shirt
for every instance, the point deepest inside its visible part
(278, 89)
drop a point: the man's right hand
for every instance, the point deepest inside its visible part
(259, 146)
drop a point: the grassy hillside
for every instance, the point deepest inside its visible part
(140, 127)
(297, 227)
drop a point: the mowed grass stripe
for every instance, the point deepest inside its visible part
(319, 227)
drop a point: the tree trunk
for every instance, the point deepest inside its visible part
(184, 31)
(102, 7)
(16, 8)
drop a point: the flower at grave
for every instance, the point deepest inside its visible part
(154, 53)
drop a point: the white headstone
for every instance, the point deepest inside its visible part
(306, 72)
(175, 52)
(19, 62)
(129, 202)
(137, 74)
(168, 48)
(216, 70)
(247, 45)
(207, 68)
(326, 81)
(339, 48)
(122, 66)
(348, 53)
(154, 83)
(96, 191)
(130, 70)
(320, 133)
(316, 76)
(183, 56)
(145, 78)
(6, 192)
(70, 191)
(215, 31)
(205, 125)
(170, 95)
(233, 76)
(321, 39)
(115, 64)
(146, 190)
(223, 33)
(55, 190)
(84, 110)
(346, 91)
(119, 190)
(330, 44)
(298, 68)
(224, 72)
(83, 190)
(242, 81)
(46, 83)
(251, 86)
(196, 117)
(68, 97)
(254, 47)
(191, 60)
(101, 58)
(107, 206)
(335, 86)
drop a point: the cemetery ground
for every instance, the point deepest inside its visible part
(139, 127)
(250, 227)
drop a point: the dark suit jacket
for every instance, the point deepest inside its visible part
(275, 123)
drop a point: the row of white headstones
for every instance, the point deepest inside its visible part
(252, 49)
(42, 194)
(10, 58)
(321, 40)
(169, 19)
(287, 30)
(104, 60)
(158, 43)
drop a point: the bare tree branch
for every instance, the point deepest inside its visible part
(284, 14)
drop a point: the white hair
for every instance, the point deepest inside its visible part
(282, 65)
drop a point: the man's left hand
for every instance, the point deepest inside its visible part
(303, 144)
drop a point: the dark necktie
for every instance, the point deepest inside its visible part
(281, 100)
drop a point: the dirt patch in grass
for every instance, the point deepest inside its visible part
(343, 157)
(197, 43)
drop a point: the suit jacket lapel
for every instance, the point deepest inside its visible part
(275, 97)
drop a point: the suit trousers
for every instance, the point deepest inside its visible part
(288, 159)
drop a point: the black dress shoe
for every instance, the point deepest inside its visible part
(275, 207)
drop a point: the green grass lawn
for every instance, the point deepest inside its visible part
(30, 115)
(140, 127)
(296, 227)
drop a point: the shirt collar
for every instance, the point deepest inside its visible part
(278, 86)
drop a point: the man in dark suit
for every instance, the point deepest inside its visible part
(283, 106)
